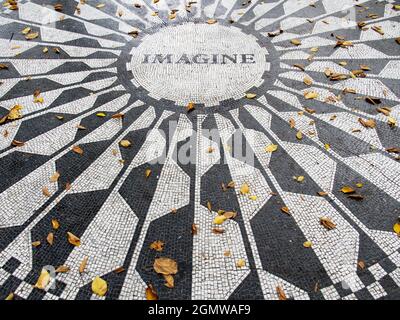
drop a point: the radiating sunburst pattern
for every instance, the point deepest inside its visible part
(308, 90)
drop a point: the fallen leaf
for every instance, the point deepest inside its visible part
(99, 286)
(169, 281)
(327, 223)
(299, 135)
(119, 270)
(125, 143)
(370, 123)
(250, 95)
(190, 107)
(361, 264)
(77, 150)
(147, 173)
(396, 227)
(151, 293)
(44, 280)
(36, 244)
(211, 21)
(217, 231)
(286, 210)
(101, 114)
(62, 269)
(46, 192)
(311, 95)
(55, 224)
(347, 190)
(244, 189)
(10, 297)
(220, 219)
(32, 35)
(165, 266)
(307, 244)
(281, 294)
(55, 177)
(296, 42)
(50, 238)
(74, 240)
(271, 148)
(240, 263)
(83, 265)
(157, 245)
(194, 229)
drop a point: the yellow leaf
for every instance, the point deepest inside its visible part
(99, 286)
(327, 146)
(347, 189)
(307, 244)
(147, 173)
(253, 198)
(299, 135)
(32, 35)
(169, 281)
(311, 95)
(219, 219)
(151, 293)
(38, 100)
(244, 189)
(101, 114)
(240, 263)
(359, 185)
(300, 179)
(10, 297)
(55, 177)
(250, 95)
(55, 224)
(271, 148)
(74, 240)
(296, 42)
(125, 143)
(15, 113)
(26, 30)
(43, 280)
(396, 228)
(45, 50)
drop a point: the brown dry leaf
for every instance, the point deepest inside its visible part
(151, 293)
(194, 229)
(62, 269)
(322, 193)
(83, 265)
(285, 210)
(190, 107)
(46, 192)
(230, 214)
(99, 286)
(119, 270)
(157, 245)
(165, 266)
(361, 264)
(370, 123)
(77, 150)
(209, 206)
(169, 281)
(117, 116)
(347, 190)
(217, 231)
(281, 293)
(16, 143)
(358, 197)
(227, 253)
(3, 66)
(55, 177)
(44, 280)
(211, 21)
(74, 240)
(327, 223)
(292, 123)
(50, 238)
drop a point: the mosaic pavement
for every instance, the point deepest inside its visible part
(324, 82)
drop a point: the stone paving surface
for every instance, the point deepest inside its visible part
(282, 127)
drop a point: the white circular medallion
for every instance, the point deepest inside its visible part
(198, 63)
